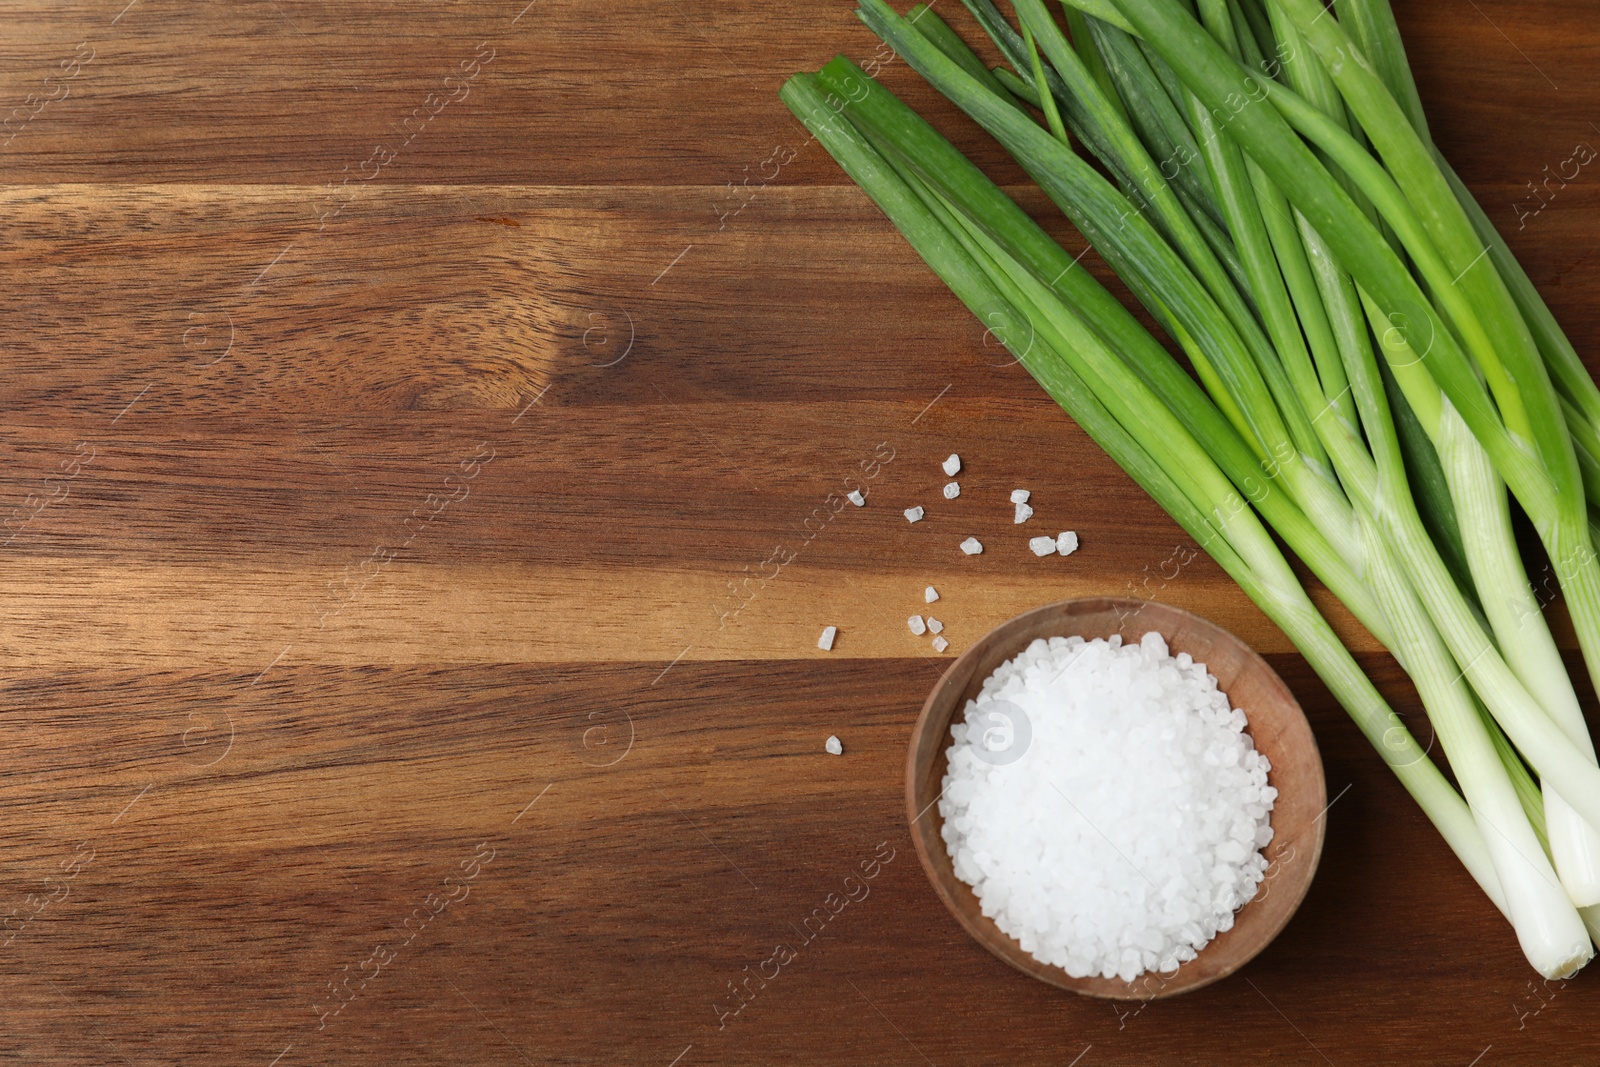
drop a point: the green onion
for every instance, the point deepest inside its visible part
(1268, 245)
(1041, 88)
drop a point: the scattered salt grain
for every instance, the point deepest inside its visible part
(1125, 832)
(914, 514)
(934, 625)
(1020, 496)
(1024, 513)
(1067, 542)
(856, 498)
(918, 627)
(1042, 546)
(825, 642)
(940, 644)
(929, 595)
(952, 466)
(833, 746)
(972, 546)
(952, 490)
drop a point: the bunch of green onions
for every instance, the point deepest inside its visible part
(1373, 375)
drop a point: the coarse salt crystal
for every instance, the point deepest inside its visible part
(934, 625)
(914, 514)
(940, 644)
(825, 642)
(1020, 496)
(952, 490)
(1067, 542)
(1024, 513)
(857, 498)
(952, 466)
(833, 745)
(972, 546)
(929, 595)
(1044, 545)
(918, 627)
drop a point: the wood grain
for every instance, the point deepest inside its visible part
(372, 490)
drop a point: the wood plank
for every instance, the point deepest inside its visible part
(291, 90)
(629, 885)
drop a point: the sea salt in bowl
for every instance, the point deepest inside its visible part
(1277, 729)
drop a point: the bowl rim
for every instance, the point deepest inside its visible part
(925, 833)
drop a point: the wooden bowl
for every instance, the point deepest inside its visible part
(1277, 726)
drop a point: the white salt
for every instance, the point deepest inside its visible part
(833, 745)
(918, 627)
(972, 546)
(914, 514)
(825, 642)
(929, 595)
(934, 625)
(857, 498)
(952, 490)
(1044, 545)
(1067, 542)
(1106, 805)
(952, 466)
(940, 644)
(1023, 514)
(1020, 496)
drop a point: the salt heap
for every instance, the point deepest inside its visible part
(1126, 833)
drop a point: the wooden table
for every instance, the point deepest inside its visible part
(419, 426)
